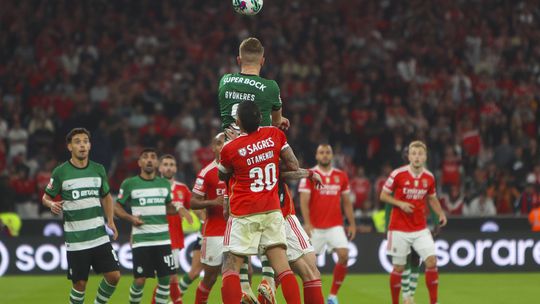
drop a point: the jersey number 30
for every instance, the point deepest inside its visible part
(266, 178)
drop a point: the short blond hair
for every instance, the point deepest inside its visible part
(251, 50)
(418, 144)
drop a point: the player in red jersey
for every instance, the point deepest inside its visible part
(180, 196)
(300, 252)
(250, 166)
(411, 185)
(208, 194)
(321, 209)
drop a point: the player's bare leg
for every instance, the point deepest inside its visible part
(194, 272)
(432, 278)
(306, 268)
(205, 286)
(340, 271)
(278, 260)
(231, 291)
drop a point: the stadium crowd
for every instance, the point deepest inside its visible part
(364, 76)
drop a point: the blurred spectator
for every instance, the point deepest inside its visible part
(25, 192)
(505, 195)
(361, 190)
(17, 140)
(454, 202)
(451, 169)
(529, 199)
(482, 206)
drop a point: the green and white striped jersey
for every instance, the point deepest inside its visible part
(147, 199)
(81, 190)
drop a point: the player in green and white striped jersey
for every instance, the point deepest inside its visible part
(149, 197)
(84, 189)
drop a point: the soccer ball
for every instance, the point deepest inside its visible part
(247, 7)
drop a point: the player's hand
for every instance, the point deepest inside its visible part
(136, 220)
(231, 133)
(285, 124)
(218, 201)
(112, 226)
(56, 207)
(351, 232)
(317, 180)
(442, 220)
(407, 207)
(309, 229)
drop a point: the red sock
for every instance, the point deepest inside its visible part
(201, 296)
(289, 286)
(340, 271)
(154, 296)
(313, 292)
(231, 292)
(395, 286)
(432, 283)
(175, 293)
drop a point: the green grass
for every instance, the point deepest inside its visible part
(454, 288)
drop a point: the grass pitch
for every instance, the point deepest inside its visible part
(370, 288)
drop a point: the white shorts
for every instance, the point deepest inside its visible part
(212, 250)
(332, 238)
(253, 234)
(298, 242)
(176, 258)
(400, 242)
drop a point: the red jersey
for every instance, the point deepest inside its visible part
(210, 187)
(180, 193)
(325, 203)
(285, 198)
(253, 159)
(412, 189)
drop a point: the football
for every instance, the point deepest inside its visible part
(247, 7)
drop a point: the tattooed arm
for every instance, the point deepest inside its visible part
(289, 159)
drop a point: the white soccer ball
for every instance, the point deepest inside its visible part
(247, 7)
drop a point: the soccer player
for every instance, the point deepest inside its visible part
(300, 252)
(208, 193)
(250, 165)
(84, 189)
(321, 209)
(181, 197)
(196, 265)
(407, 189)
(248, 85)
(150, 199)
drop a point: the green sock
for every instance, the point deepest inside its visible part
(244, 276)
(162, 292)
(104, 292)
(184, 283)
(405, 281)
(415, 273)
(267, 271)
(135, 294)
(76, 297)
